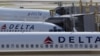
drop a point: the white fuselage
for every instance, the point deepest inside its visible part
(49, 41)
(28, 26)
(24, 14)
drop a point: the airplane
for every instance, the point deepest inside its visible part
(23, 14)
(49, 41)
(28, 26)
(15, 14)
(18, 14)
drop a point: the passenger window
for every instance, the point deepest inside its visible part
(7, 46)
(27, 46)
(12, 45)
(32, 46)
(17, 46)
(9, 30)
(37, 46)
(2, 46)
(22, 45)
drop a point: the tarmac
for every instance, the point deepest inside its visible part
(57, 53)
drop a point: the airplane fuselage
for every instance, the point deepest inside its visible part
(24, 14)
(28, 26)
(49, 41)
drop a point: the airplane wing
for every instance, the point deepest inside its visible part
(76, 15)
(71, 15)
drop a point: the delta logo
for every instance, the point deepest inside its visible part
(3, 27)
(48, 40)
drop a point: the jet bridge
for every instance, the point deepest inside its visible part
(63, 22)
(84, 22)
